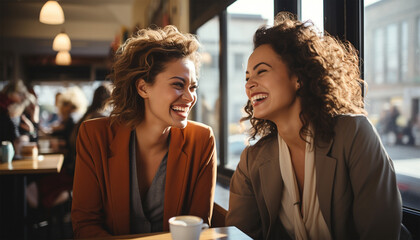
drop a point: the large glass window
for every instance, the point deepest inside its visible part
(379, 59)
(404, 51)
(392, 53)
(313, 10)
(243, 19)
(392, 45)
(208, 104)
(418, 47)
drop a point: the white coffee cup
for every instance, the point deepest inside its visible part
(186, 227)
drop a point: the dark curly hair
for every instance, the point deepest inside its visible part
(328, 72)
(144, 56)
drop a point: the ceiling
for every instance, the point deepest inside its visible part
(91, 25)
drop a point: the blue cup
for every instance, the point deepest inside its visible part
(7, 152)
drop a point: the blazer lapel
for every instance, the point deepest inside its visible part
(325, 173)
(119, 179)
(176, 171)
(271, 180)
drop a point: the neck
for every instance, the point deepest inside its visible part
(288, 126)
(152, 137)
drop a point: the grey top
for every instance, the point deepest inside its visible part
(146, 215)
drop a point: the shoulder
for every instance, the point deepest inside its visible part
(263, 150)
(197, 129)
(352, 123)
(102, 127)
(97, 124)
(355, 131)
(263, 143)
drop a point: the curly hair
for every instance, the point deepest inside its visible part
(143, 56)
(75, 97)
(328, 72)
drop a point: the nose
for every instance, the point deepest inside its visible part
(189, 95)
(251, 83)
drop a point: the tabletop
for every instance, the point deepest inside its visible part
(225, 233)
(42, 164)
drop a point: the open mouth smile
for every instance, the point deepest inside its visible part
(258, 98)
(181, 110)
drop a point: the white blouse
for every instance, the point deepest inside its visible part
(308, 224)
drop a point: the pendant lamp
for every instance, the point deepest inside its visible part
(61, 42)
(63, 58)
(51, 13)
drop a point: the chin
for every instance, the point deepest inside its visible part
(262, 117)
(180, 124)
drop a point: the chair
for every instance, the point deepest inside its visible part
(219, 215)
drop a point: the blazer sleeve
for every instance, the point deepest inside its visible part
(87, 211)
(205, 184)
(243, 210)
(377, 206)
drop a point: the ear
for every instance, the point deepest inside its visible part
(141, 87)
(297, 82)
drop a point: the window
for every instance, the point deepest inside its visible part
(208, 104)
(404, 52)
(379, 56)
(392, 53)
(394, 90)
(243, 19)
(239, 61)
(313, 11)
(418, 47)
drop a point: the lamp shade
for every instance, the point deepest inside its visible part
(61, 42)
(63, 58)
(51, 13)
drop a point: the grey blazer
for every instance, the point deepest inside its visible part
(356, 186)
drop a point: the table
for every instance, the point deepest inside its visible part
(13, 181)
(43, 164)
(225, 233)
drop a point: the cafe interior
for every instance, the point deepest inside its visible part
(68, 51)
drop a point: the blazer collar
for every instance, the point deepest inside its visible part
(119, 173)
(119, 177)
(271, 179)
(325, 173)
(272, 183)
(176, 171)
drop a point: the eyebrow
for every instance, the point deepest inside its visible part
(257, 65)
(183, 80)
(180, 78)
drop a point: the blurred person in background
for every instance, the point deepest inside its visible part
(52, 190)
(71, 104)
(19, 115)
(100, 107)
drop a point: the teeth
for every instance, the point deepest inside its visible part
(258, 97)
(181, 109)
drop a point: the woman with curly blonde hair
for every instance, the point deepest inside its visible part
(146, 162)
(319, 170)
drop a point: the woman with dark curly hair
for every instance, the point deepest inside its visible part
(319, 170)
(146, 162)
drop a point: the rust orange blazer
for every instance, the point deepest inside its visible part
(101, 204)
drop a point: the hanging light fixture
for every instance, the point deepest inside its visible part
(51, 13)
(63, 58)
(61, 42)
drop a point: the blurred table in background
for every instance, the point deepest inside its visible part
(13, 182)
(42, 164)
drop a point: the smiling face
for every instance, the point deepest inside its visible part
(269, 86)
(172, 95)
